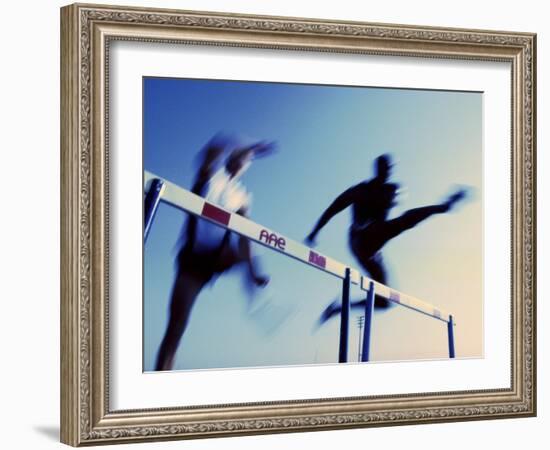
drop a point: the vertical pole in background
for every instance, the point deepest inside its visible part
(369, 309)
(151, 203)
(344, 319)
(360, 323)
(450, 332)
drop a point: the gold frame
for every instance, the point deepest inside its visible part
(86, 31)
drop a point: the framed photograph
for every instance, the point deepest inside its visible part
(276, 224)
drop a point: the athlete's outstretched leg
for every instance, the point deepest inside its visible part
(184, 293)
(413, 217)
(410, 219)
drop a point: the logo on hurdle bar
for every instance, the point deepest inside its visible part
(318, 260)
(272, 239)
(394, 296)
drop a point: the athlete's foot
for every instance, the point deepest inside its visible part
(455, 198)
(380, 303)
(261, 280)
(331, 310)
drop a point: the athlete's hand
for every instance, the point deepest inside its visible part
(263, 148)
(261, 280)
(310, 240)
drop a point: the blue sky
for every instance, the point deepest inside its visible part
(327, 138)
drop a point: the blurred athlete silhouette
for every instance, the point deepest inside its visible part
(371, 202)
(208, 250)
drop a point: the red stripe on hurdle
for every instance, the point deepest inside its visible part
(216, 214)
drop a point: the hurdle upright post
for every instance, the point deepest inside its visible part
(344, 319)
(369, 309)
(151, 204)
(450, 332)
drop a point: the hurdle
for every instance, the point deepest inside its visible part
(157, 190)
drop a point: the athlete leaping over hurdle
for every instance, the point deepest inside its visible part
(208, 250)
(371, 202)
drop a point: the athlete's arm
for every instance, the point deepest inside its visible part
(245, 250)
(341, 202)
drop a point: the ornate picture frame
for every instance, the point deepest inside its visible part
(87, 32)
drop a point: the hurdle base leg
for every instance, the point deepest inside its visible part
(369, 310)
(450, 333)
(344, 319)
(151, 204)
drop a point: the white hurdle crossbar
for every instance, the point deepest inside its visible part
(157, 189)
